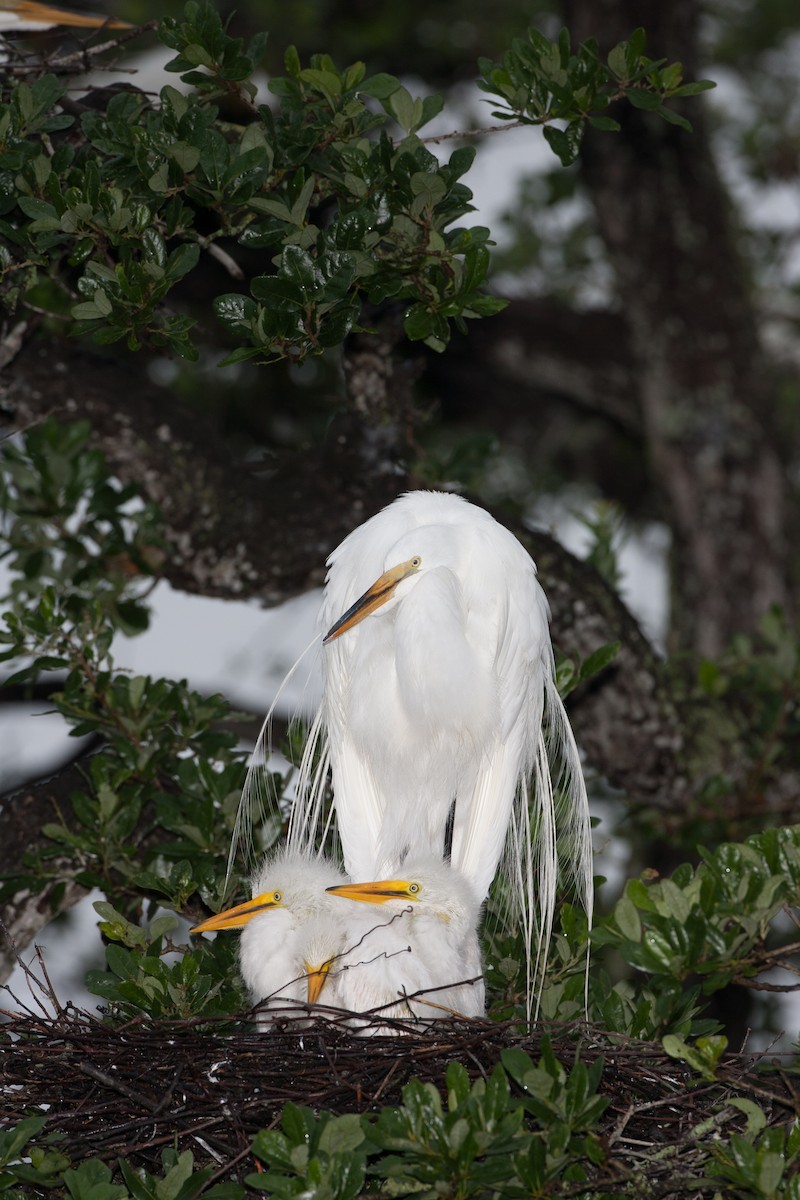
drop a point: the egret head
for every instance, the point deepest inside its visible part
(241, 914)
(460, 549)
(287, 927)
(387, 589)
(286, 883)
(428, 889)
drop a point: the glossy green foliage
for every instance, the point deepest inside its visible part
(68, 525)
(30, 1170)
(331, 181)
(752, 693)
(151, 805)
(712, 921)
(532, 1128)
(346, 214)
(540, 81)
(322, 1155)
(140, 982)
(480, 1137)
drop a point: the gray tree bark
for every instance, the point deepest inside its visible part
(704, 383)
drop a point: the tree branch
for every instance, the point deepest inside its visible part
(536, 349)
(235, 530)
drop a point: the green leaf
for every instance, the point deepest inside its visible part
(182, 260)
(167, 923)
(87, 311)
(627, 918)
(381, 86)
(401, 106)
(13, 1140)
(299, 208)
(138, 1188)
(298, 268)
(598, 660)
(187, 157)
(674, 118)
(326, 82)
(618, 61)
(756, 1117)
(693, 89)
(237, 311)
(703, 1057)
(342, 1135)
(418, 323)
(170, 1186)
(291, 60)
(32, 207)
(92, 1181)
(642, 99)
(564, 142)
(606, 124)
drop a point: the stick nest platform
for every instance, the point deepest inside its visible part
(126, 1091)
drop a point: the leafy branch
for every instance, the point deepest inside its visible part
(104, 214)
(540, 81)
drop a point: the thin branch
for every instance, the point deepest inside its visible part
(760, 985)
(470, 133)
(118, 1085)
(223, 258)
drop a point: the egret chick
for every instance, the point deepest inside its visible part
(290, 931)
(424, 940)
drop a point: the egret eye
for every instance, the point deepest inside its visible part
(413, 888)
(416, 561)
(277, 897)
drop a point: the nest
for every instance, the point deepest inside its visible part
(209, 1085)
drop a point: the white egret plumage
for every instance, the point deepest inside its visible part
(441, 724)
(440, 712)
(419, 955)
(291, 930)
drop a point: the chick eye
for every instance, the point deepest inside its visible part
(416, 561)
(277, 897)
(413, 888)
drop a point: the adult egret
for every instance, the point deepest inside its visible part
(440, 711)
(30, 16)
(291, 929)
(423, 959)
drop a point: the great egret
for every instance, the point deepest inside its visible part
(30, 16)
(429, 945)
(291, 929)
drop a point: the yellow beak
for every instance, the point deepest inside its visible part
(316, 980)
(382, 590)
(237, 918)
(30, 10)
(377, 892)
